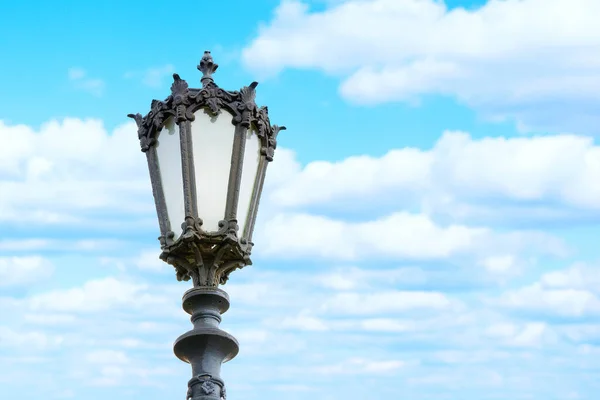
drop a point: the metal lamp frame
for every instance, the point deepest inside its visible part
(207, 257)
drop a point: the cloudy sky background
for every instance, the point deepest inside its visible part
(429, 228)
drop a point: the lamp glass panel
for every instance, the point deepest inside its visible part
(212, 141)
(168, 152)
(249, 171)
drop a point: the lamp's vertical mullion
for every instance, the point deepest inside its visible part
(158, 190)
(254, 202)
(235, 172)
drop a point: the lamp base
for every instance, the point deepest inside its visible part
(206, 347)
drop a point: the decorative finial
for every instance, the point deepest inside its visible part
(208, 67)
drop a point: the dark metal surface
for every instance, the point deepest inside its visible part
(207, 257)
(206, 346)
(235, 172)
(255, 199)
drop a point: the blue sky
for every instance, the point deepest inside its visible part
(429, 226)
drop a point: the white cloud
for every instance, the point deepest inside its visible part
(107, 357)
(581, 333)
(360, 279)
(304, 322)
(453, 380)
(75, 172)
(76, 73)
(152, 77)
(388, 325)
(578, 276)
(293, 388)
(49, 319)
(499, 264)
(562, 302)
(80, 80)
(149, 261)
(555, 167)
(253, 336)
(146, 260)
(113, 368)
(96, 295)
(28, 340)
(340, 280)
(76, 246)
(397, 305)
(360, 366)
(544, 178)
(23, 270)
(253, 293)
(531, 334)
(263, 342)
(506, 266)
(406, 170)
(397, 236)
(532, 60)
(131, 343)
(470, 356)
(569, 292)
(387, 302)
(69, 171)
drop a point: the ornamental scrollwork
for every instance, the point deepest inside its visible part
(207, 386)
(184, 101)
(180, 96)
(207, 258)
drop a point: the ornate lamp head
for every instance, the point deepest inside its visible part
(207, 151)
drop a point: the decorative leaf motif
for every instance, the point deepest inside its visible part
(214, 104)
(179, 94)
(179, 87)
(248, 93)
(247, 105)
(208, 387)
(206, 257)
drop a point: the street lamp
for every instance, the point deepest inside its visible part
(207, 151)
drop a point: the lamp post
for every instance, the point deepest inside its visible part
(207, 151)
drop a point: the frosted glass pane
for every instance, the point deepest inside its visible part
(251, 159)
(212, 140)
(169, 161)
